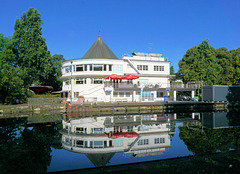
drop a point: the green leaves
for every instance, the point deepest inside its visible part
(213, 67)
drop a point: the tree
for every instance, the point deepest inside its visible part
(56, 72)
(10, 75)
(199, 64)
(32, 52)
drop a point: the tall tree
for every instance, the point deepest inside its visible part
(199, 64)
(10, 74)
(32, 52)
(56, 72)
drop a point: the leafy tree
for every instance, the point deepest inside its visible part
(56, 64)
(199, 64)
(32, 52)
(10, 75)
(235, 78)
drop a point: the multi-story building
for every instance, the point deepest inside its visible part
(89, 76)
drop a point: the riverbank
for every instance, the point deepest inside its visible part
(100, 109)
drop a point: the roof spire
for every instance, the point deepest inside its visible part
(99, 34)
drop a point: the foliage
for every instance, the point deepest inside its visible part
(26, 60)
(10, 74)
(24, 150)
(213, 67)
(32, 52)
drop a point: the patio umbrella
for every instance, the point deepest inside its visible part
(114, 77)
(131, 77)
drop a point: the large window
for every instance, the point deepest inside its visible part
(158, 68)
(97, 67)
(79, 68)
(147, 95)
(142, 67)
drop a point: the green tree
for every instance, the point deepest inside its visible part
(10, 74)
(32, 52)
(199, 64)
(56, 72)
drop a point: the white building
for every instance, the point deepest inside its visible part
(85, 76)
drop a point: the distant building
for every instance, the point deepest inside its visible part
(91, 78)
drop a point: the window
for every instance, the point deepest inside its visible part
(121, 94)
(98, 130)
(159, 94)
(128, 94)
(67, 69)
(97, 67)
(98, 143)
(97, 81)
(158, 68)
(110, 67)
(143, 142)
(159, 140)
(79, 68)
(67, 82)
(104, 67)
(90, 67)
(80, 81)
(79, 143)
(117, 68)
(115, 94)
(85, 67)
(142, 67)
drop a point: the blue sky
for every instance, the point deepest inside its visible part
(169, 27)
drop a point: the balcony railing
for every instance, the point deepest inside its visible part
(186, 86)
(131, 85)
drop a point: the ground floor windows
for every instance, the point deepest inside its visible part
(121, 94)
(97, 81)
(67, 82)
(159, 140)
(80, 81)
(159, 94)
(147, 95)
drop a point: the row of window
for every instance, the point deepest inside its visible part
(105, 67)
(156, 141)
(84, 81)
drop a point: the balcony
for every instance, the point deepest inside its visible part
(125, 85)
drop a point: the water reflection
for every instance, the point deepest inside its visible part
(99, 138)
(30, 145)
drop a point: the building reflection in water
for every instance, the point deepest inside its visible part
(99, 138)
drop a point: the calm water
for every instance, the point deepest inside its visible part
(55, 143)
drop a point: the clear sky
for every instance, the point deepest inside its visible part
(169, 27)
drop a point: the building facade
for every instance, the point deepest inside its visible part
(86, 77)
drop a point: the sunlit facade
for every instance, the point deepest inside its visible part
(85, 76)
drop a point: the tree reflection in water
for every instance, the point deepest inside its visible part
(26, 149)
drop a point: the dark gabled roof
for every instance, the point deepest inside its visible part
(99, 50)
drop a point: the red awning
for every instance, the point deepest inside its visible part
(131, 77)
(114, 77)
(40, 89)
(121, 134)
